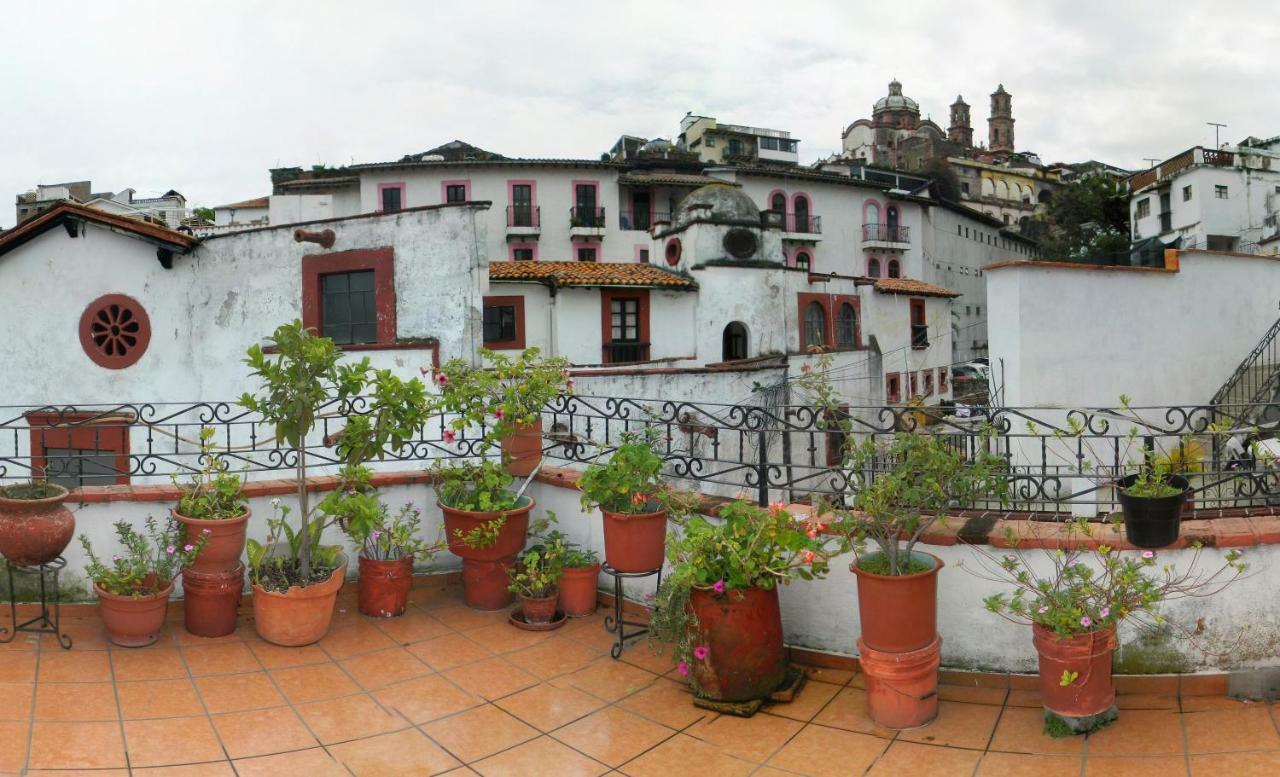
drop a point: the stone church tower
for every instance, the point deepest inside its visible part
(1000, 125)
(961, 130)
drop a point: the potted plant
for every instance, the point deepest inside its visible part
(718, 605)
(35, 525)
(581, 572)
(486, 525)
(213, 504)
(387, 545)
(1074, 599)
(634, 501)
(505, 396)
(535, 577)
(133, 590)
(295, 578)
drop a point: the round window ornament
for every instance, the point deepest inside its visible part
(673, 251)
(115, 331)
(740, 243)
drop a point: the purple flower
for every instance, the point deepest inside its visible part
(718, 587)
(1148, 554)
(1104, 612)
(701, 652)
(683, 669)
(1086, 621)
(1043, 609)
(170, 550)
(115, 558)
(376, 534)
(188, 548)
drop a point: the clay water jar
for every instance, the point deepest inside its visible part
(743, 630)
(211, 600)
(899, 613)
(35, 531)
(226, 540)
(902, 687)
(384, 586)
(635, 542)
(578, 590)
(133, 621)
(511, 537)
(299, 616)
(484, 583)
(1088, 656)
(522, 449)
(540, 609)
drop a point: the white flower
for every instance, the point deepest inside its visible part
(275, 502)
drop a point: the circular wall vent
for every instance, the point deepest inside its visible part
(740, 243)
(115, 331)
(673, 251)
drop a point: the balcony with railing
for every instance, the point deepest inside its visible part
(623, 352)
(794, 226)
(886, 236)
(1176, 164)
(524, 220)
(586, 222)
(640, 222)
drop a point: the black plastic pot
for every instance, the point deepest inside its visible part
(1153, 522)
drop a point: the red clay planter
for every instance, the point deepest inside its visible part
(522, 450)
(902, 687)
(578, 590)
(540, 609)
(1090, 697)
(743, 631)
(484, 583)
(384, 586)
(484, 570)
(226, 540)
(35, 531)
(635, 542)
(211, 600)
(133, 621)
(899, 613)
(299, 616)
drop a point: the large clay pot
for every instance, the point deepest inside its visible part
(226, 540)
(743, 630)
(299, 616)
(484, 583)
(902, 688)
(522, 449)
(133, 621)
(899, 613)
(539, 609)
(35, 531)
(211, 600)
(511, 537)
(1088, 658)
(578, 590)
(635, 543)
(384, 586)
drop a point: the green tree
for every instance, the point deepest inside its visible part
(204, 214)
(1086, 218)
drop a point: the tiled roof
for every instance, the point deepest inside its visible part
(914, 287)
(589, 274)
(257, 202)
(669, 179)
(64, 211)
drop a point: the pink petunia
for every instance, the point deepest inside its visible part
(1086, 621)
(718, 586)
(1148, 554)
(423, 371)
(683, 669)
(449, 436)
(701, 652)
(1104, 612)
(1043, 609)
(499, 414)
(188, 548)
(442, 379)
(170, 550)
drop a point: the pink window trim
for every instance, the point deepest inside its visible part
(808, 201)
(768, 204)
(465, 183)
(879, 267)
(794, 261)
(573, 192)
(511, 250)
(404, 203)
(533, 196)
(879, 206)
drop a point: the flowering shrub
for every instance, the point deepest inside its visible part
(749, 547)
(537, 572)
(1088, 589)
(148, 563)
(631, 480)
(213, 493)
(502, 394)
(378, 535)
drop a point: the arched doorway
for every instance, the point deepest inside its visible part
(734, 345)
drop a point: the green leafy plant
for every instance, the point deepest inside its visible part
(748, 547)
(480, 486)
(630, 481)
(377, 533)
(305, 376)
(1088, 587)
(537, 573)
(212, 493)
(503, 394)
(149, 560)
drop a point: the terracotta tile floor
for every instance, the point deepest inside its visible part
(446, 690)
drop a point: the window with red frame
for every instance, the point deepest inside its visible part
(80, 449)
(836, 438)
(942, 379)
(351, 296)
(915, 384)
(928, 383)
(893, 387)
(624, 330)
(503, 323)
(919, 325)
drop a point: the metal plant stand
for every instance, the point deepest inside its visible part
(49, 620)
(615, 623)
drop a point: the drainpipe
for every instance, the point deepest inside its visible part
(552, 334)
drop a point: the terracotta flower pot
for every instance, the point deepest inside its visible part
(635, 543)
(484, 583)
(133, 621)
(299, 616)
(35, 531)
(743, 631)
(1086, 656)
(538, 609)
(522, 449)
(902, 688)
(899, 613)
(211, 600)
(384, 586)
(226, 540)
(578, 590)
(511, 537)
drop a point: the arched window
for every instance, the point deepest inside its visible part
(1002, 190)
(778, 202)
(846, 326)
(803, 261)
(891, 218)
(801, 206)
(895, 269)
(873, 268)
(815, 325)
(873, 213)
(735, 342)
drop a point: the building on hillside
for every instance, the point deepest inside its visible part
(169, 208)
(1011, 190)
(234, 216)
(1224, 199)
(714, 142)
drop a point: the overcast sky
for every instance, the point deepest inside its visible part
(206, 97)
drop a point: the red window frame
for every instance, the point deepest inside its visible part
(80, 431)
(915, 383)
(928, 383)
(517, 344)
(837, 302)
(918, 318)
(607, 296)
(893, 387)
(942, 380)
(802, 304)
(381, 261)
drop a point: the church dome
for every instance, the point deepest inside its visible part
(895, 100)
(722, 202)
(657, 146)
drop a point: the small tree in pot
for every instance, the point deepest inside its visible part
(1075, 606)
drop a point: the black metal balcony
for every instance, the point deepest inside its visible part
(587, 218)
(886, 233)
(805, 225)
(638, 221)
(625, 352)
(524, 216)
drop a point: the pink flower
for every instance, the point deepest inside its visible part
(1086, 621)
(449, 436)
(638, 499)
(1104, 612)
(808, 556)
(442, 379)
(1148, 554)
(648, 597)
(1043, 609)
(718, 587)
(701, 652)
(205, 531)
(423, 371)
(188, 548)
(778, 507)
(683, 669)
(499, 414)
(115, 558)
(813, 534)
(170, 550)
(376, 534)
(565, 372)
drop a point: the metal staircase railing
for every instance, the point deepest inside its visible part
(1257, 379)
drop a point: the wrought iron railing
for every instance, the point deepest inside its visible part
(886, 233)
(641, 221)
(1254, 383)
(592, 218)
(524, 216)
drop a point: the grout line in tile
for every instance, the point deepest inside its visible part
(35, 690)
(182, 656)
